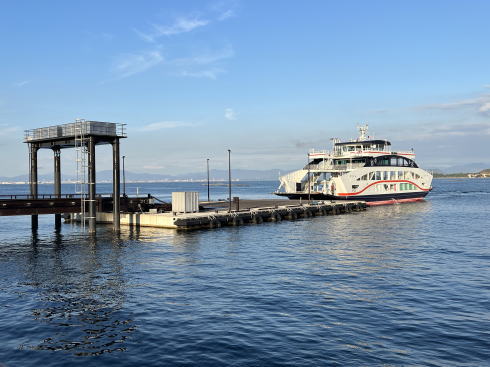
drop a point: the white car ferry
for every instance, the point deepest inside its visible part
(364, 169)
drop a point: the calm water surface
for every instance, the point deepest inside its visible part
(396, 285)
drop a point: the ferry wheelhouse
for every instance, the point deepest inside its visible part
(363, 169)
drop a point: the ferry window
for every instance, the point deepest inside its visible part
(417, 176)
(412, 174)
(378, 176)
(351, 148)
(400, 175)
(364, 177)
(359, 147)
(385, 175)
(355, 187)
(394, 161)
(372, 176)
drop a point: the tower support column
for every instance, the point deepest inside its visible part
(33, 148)
(116, 190)
(57, 182)
(92, 208)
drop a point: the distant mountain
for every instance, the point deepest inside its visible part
(106, 175)
(470, 167)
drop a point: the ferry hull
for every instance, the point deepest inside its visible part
(371, 200)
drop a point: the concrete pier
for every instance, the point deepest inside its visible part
(218, 215)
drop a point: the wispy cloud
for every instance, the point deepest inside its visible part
(188, 23)
(155, 126)
(131, 64)
(208, 64)
(201, 64)
(7, 129)
(461, 129)
(230, 114)
(207, 74)
(180, 25)
(21, 83)
(207, 57)
(426, 132)
(480, 104)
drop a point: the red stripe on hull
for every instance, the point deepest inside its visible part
(393, 201)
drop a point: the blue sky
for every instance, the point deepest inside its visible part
(267, 79)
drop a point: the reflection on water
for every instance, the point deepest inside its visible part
(80, 293)
(395, 285)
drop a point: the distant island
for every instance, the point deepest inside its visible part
(482, 174)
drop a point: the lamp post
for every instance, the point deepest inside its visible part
(229, 180)
(124, 176)
(309, 179)
(207, 167)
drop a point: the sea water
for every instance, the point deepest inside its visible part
(396, 285)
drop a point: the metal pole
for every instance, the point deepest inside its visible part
(92, 210)
(57, 182)
(229, 180)
(124, 176)
(116, 191)
(33, 180)
(207, 165)
(309, 183)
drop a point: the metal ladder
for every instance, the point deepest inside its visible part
(82, 166)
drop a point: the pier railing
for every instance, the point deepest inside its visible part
(76, 128)
(53, 196)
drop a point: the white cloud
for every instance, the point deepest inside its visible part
(479, 104)
(205, 65)
(136, 63)
(207, 58)
(187, 23)
(208, 73)
(179, 26)
(230, 114)
(165, 125)
(224, 10)
(6, 129)
(442, 131)
(21, 83)
(485, 107)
